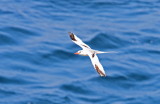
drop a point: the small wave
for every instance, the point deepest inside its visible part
(75, 88)
(108, 41)
(100, 4)
(16, 35)
(6, 80)
(6, 40)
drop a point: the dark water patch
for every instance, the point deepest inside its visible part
(110, 41)
(116, 81)
(107, 78)
(25, 61)
(17, 34)
(54, 98)
(75, 88)
(151, 31)
(19, 31)
(63, 54)
(131, 34)
(144, 2)
(20, 56)
(132, 37)
(41, 101)
(109, 3)
(5, 12)
(117, 78)
(91, 99)
(137, 13)
(153, 51)
(54, 56)
(149, 52)
(129, 22)
(139, 77)
(23, 68)
(6, 40)
(5, 80)
(150, 40)
(4, 93)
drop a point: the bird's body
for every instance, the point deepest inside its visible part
(87, 51)
(84, 53)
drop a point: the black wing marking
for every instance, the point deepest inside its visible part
(78, 41)
(99, 71)
(72, 36)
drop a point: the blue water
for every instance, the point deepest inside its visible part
(37, 64)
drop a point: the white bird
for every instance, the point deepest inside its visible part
(87, 51)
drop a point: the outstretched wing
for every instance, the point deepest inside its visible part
(96, 64)
(78, 41)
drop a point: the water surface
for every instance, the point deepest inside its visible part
(38, 66)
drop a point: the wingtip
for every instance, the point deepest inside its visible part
(72, 36)
(102, 74)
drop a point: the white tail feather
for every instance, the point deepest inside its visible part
(99, 52)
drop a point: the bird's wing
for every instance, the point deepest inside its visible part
(96, 64)
(78, 41)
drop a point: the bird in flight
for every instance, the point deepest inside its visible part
(87, 51)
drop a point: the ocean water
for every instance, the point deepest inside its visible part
(37, 64)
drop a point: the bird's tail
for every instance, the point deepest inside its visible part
(99, 52)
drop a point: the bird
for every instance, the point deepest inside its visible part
(88, 51)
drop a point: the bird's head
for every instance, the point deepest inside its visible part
(78, 52)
